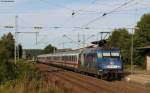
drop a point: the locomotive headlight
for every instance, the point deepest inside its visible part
(112, 63)
(113, 66)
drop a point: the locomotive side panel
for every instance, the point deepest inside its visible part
(88, 61)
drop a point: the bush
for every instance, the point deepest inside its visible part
(8, 71)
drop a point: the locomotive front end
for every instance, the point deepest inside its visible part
(110, 64)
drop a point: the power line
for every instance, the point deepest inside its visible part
(117, 11)
(106, 13)
(118, 8)
(53, 27)
(80, 10)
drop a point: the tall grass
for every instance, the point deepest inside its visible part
(29, 80)
(24, 85)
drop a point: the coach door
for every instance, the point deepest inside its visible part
(148, 63)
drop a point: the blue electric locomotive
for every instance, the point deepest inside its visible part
(105, 63)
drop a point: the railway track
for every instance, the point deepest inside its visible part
(86, 84)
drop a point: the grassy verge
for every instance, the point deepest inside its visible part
(28, 80)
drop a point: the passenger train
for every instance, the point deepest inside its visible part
(102, 62)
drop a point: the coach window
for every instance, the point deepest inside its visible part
(55, 57)
(52, 58)
(65, 58)
(62, 58)
(59, 58)
(70, 58)
(73, 58)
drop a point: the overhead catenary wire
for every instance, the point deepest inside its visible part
(119, 7)
(106, 13)
(116, 12)
(74, 12)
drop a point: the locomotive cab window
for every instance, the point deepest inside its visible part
(107, 54)
(115, 54)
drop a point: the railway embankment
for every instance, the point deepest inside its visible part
(77, 83)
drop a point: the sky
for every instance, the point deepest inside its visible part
(56, 19)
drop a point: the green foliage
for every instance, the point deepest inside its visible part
(7, 41)
(8, 71)
(49, 49)
(142, 34)
(4, 54)
(141, 38)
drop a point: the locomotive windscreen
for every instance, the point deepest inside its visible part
(108, 54)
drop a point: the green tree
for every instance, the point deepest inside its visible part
(142, 34)
(49, 49)
(7, 41)
(141, 39)
(4, 54)
(7, 69)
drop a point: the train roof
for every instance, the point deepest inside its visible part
(75, 52)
